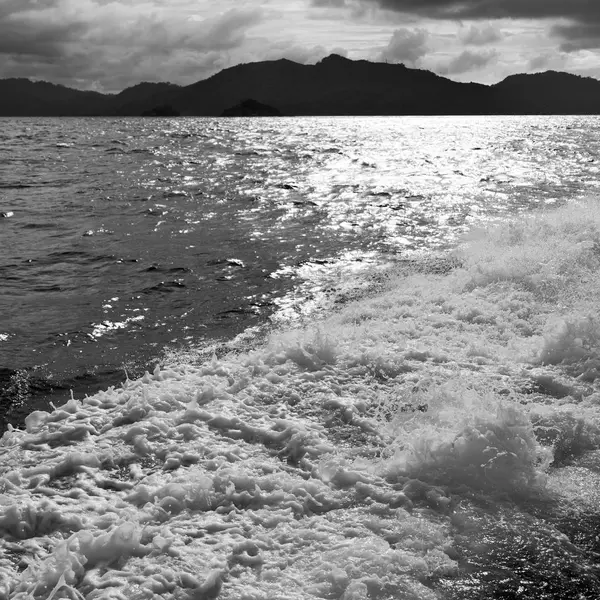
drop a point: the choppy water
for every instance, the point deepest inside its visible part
(435, 437)
(128, 236)
(436, 440)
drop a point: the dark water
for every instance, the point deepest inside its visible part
(123, 238)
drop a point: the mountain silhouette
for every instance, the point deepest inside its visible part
(145, 97)
(334, 86)
(251, 108)
(25, 98)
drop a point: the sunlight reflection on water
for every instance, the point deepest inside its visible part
(149, 211)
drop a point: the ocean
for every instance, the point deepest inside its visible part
(300, 358)
(130, 238)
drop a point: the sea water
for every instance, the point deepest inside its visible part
(123, 239)
(418, 418)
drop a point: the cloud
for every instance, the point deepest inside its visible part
(406, 45)
(165, 32)
(110, 44)
(298, 53)
(330, 3)
(578, 10)
(355, 10)
(578, 36)
(546, 61)
(27, 31)
(228, 30)
(116, 43)
(468, 60)
(480, 36)
(577, 22)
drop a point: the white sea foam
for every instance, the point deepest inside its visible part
(369, 455)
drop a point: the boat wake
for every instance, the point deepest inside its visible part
(439, 438)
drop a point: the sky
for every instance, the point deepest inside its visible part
(108, 45)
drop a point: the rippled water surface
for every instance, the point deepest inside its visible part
(387, 414)
(123, 237)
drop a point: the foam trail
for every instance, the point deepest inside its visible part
(428, 441)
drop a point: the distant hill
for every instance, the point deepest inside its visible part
(551, 92)
(24, 98)
(251, 108)
(142, 98)
(334, 86)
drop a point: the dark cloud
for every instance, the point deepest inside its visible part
(27, 30)
(578, 10)
(48, 41)
(406, 45)
(109, 45)
(579, 36)
(582, 17)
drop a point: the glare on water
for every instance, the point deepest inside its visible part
(131, 235)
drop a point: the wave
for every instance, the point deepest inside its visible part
(432, 439)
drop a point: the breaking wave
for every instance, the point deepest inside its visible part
(438, 438)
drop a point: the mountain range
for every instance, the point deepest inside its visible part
(334, 86)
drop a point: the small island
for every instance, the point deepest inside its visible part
(165, 110)
(251, 108)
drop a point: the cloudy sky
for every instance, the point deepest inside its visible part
(108, 45)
